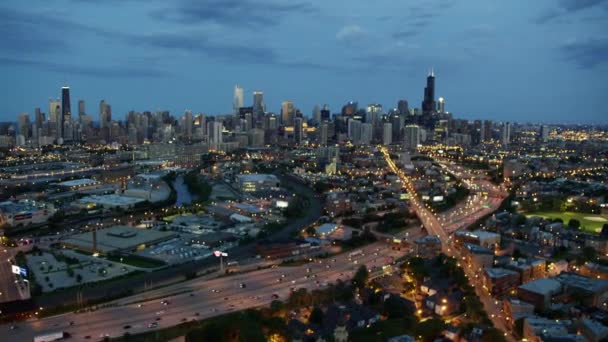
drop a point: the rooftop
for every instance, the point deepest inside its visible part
(78, 182)
(499, 272)
(544, 286)
(118, 238)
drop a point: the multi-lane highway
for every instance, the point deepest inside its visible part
(455, 221)
(202, 298)
(12, 288)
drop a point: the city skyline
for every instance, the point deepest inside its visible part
(546, 65)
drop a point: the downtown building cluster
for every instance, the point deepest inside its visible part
(254, 126)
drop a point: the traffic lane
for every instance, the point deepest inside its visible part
(105, 319)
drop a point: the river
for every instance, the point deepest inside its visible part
(184, 197)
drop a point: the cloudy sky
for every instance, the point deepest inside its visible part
(538, 61)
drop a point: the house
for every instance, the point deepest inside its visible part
(443, 304)
(500, 281)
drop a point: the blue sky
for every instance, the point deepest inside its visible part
(522, 60)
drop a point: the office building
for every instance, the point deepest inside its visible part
(428, 104)
(316, 114)
(412, 137)
(23, 121)
(237, 100)
(105, 114)
(441, 105)
(298, 130)
(325, 113)
(258, 103)
(81, 108)
(506, 133)
(387, 133)
(403, 107)
(288, 113)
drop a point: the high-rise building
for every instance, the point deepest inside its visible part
(216, 133)
(402, 107)
(238, 99)
(428, 104)
(188, 123)
(298, 130)
(324, 130)
(39, 118)
(412, 137)
(316, 114)
(81, 109)
(373, 113)
(54, 110)
(66, 107)
(367, 130)
(325, 113)
(258, 103)
(105, 114)
(354, 131)
(23, 120)
(288, 113)
(387, 133)
(506, 133)
(487, 131)
(544, 133)
(441, 105)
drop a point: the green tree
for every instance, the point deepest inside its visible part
(361, 277)
(316, 316)
(430, 329)
(574, 224)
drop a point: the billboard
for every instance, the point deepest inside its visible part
(19, 270)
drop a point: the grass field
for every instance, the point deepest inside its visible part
(589, 222)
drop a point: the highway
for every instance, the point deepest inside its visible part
(12, 288)
(198, 299)
(435, 227)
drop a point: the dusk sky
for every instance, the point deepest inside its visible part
(516, 60)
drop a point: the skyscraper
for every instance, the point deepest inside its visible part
(288, 113)
(188, 123)
(428, 104)
(66, 107)
(298, 130)
(412, 137)
(105, 114)
(506, 133)
(258, 103)
(403, 107)
(387, 133)
(23, 120)
(441, 105)
(81, 109)
(216, 133)
(316, 114)
(325, 113)
(238, 99)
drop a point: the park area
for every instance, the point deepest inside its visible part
(589, 222)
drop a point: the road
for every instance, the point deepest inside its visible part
(12, 288)
(177, 273)
(197, 298)
(435, 227)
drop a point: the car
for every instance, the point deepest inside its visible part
(71, 322)
(13, 327)
(196, 314)
(165, 302)
(127, 327)
(158, 319)
(184, 319)
(153, 325)
(88, 337)
(225, 298)
(275, 296)
(160, 312)
(243, 285)
(192, 295)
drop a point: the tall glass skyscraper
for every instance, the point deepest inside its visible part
(428, 105)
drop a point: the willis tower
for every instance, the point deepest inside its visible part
(428, 104)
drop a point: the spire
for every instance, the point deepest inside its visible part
(432, 74)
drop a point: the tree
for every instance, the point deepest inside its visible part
(605, 230)
(311, 231)
(430, 329)
(493, 335)
(574, 224)
(361, 277)
(78, 278)
(316, 316)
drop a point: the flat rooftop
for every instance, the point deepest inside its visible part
(257, 177)
(118, 238)
(499, 272)
(542, 286)
(78, 182)
(111, 200)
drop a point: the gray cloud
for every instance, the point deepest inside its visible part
(586, 53)
(566, 7)
(257, 13)
(119, 71)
